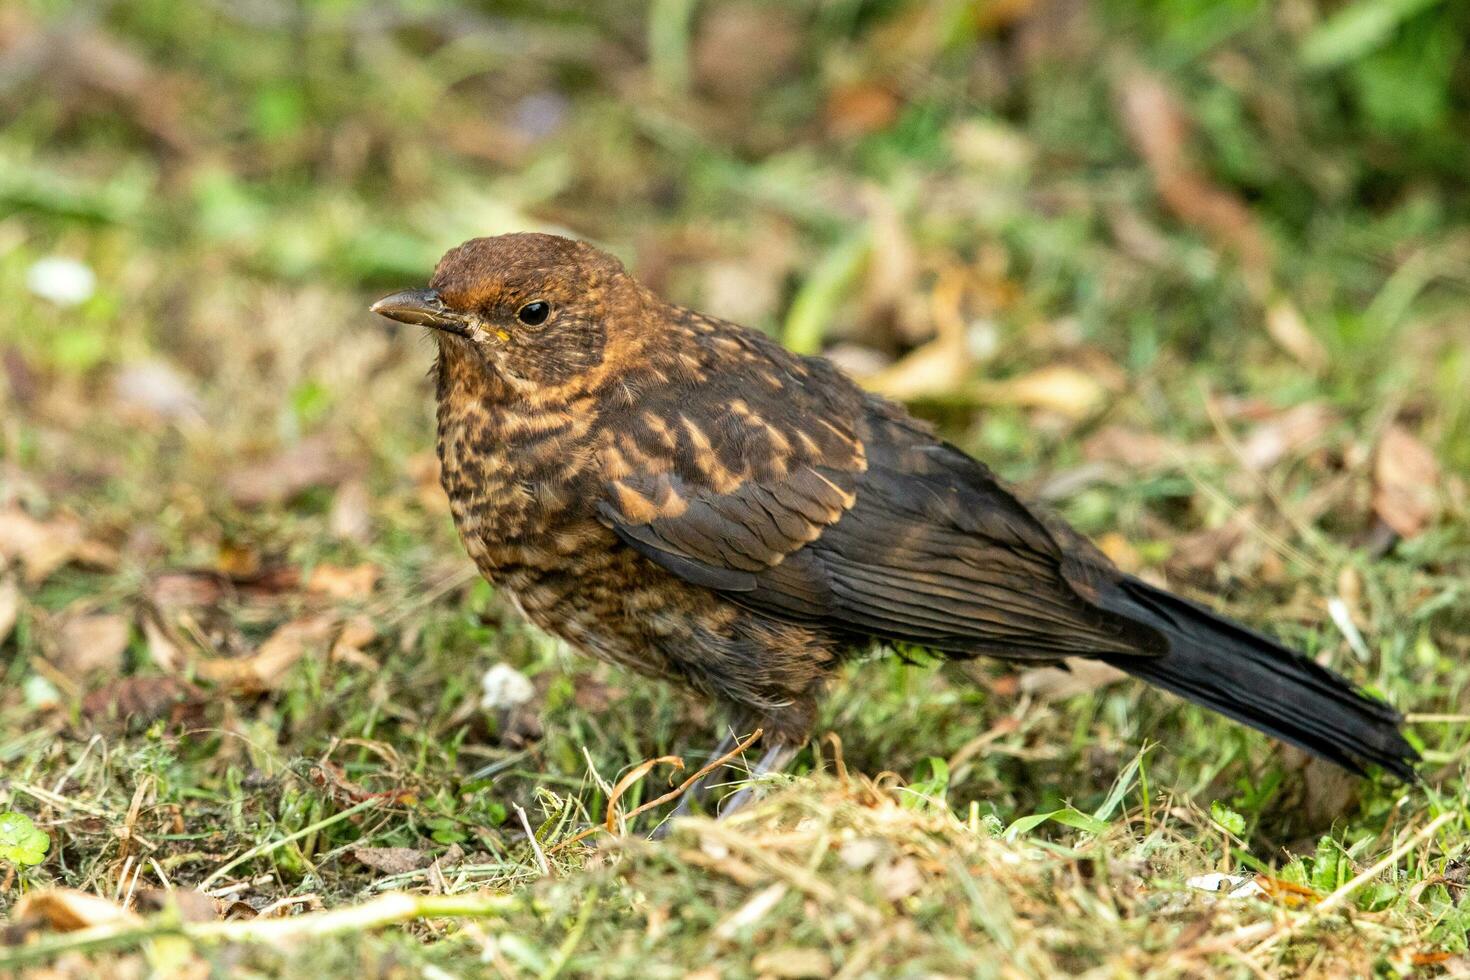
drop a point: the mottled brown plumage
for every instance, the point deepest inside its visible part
(685, 497)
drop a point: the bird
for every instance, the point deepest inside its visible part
(684, 497)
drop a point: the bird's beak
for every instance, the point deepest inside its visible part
(423, 307)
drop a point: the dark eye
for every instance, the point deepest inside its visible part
(534, 314)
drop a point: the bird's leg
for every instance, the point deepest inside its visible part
(776, 759)
(695, 794)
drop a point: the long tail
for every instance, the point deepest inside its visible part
(1255, 680)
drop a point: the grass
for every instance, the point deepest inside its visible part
(224, 444)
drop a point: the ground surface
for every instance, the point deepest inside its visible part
(1198, 277)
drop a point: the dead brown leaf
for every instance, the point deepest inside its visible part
(1161, 132)
(85, 643)
(1049, 684)
(42, 547)
(356, 633)
(423, 470)
(1285, 325)
(264, 670)
(349, 517)
(859, 108)
(202, 588)
(1061, 388)
(339, 582)
(313, 462)
(162, 648)
(940, 366)
(141, 700)
(187, 589)
(1406, 482)
(9, 605)
(1205, 551)
(392, 860)
(67, 910)
(1133, 448)
(193, 905)
(1286, 434)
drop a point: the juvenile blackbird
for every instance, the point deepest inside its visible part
(683, 496)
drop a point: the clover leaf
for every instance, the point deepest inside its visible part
(20, 842)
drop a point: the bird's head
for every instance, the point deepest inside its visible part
(538, 311)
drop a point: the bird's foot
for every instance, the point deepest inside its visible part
(776, 759)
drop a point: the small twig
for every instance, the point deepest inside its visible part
(839, 765)
(385, 910)
(535, 844)
(673, 794)
(234, 888)
(629, 778)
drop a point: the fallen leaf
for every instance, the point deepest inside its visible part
(192, 905)
(1285, 325)
(356, 633)
(205, 587)
(44, 546)
(264, 670)
(1048, 684)
(90, 642)
(423, 469)
(1286, 434)
(1162, 133)
(859, 108)
(392, 860)
(140, 700)
(339, 582)
(1061, 388)
(67, 910)
(187, 589)
(162, 649)
(1206, 551)
(1406, 482)
(313, 462)
(1133, 448)
(9, 606)
(349, 518)
(940, 366)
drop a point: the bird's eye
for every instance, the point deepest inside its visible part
(534, 314)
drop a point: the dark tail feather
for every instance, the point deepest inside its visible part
(1256, 681)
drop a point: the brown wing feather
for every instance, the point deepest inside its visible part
(863, 523)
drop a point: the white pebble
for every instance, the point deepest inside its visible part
(504, 687)
(63, 281)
